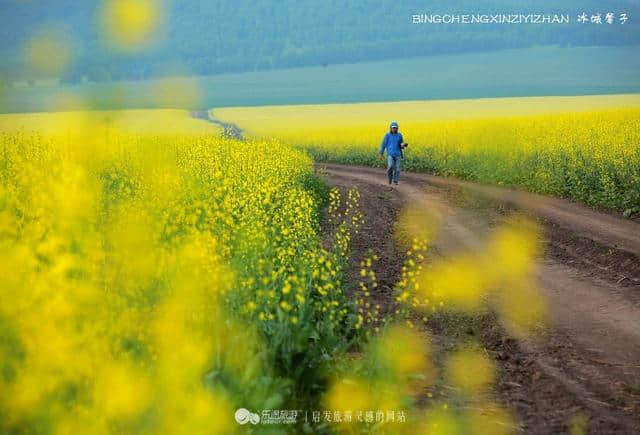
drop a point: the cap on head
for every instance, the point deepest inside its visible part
(393, 124)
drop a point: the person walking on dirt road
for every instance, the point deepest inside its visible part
(393, 142)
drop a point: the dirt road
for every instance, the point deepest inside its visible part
(588, 362)
(229, 129)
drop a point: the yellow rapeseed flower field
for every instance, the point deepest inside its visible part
(584, 147)
(155, 276)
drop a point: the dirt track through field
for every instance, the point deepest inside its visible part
(589, 359)
(229, 129)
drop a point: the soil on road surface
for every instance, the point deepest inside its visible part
(588, 361)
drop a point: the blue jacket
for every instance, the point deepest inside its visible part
(391, 142)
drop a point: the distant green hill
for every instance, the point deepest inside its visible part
(504, 73)
(211, 37)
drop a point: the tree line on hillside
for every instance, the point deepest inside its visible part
(249, 35)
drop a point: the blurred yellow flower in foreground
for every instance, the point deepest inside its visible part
(459, 282)
(470, 371)
(513, 249)
(406, 351)
(502, 275)
(130, 24)
(349, 394)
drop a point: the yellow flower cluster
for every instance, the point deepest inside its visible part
(395, 368)
(501, 274)
(155, 282)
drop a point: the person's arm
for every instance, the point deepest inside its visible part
(383, 145)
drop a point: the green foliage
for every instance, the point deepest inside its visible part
(232, 36)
